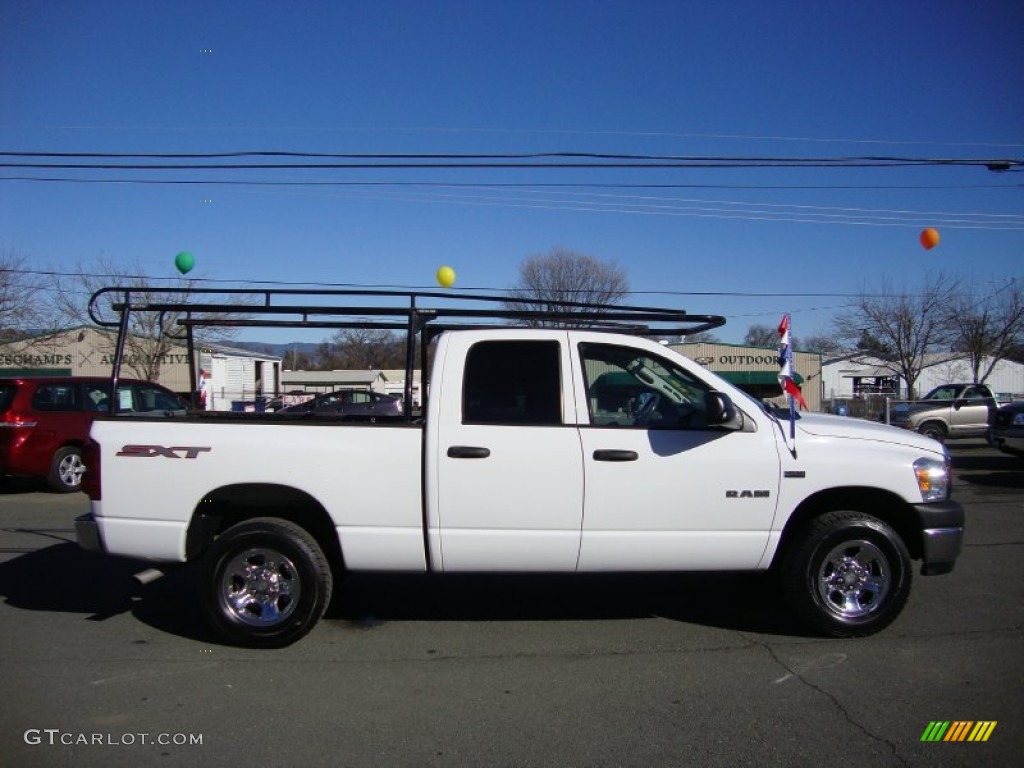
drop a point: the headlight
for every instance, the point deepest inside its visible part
(1018, 419)
(933, 478)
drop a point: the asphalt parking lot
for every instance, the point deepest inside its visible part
(656, 670)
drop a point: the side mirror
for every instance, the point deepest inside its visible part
(959, 403)
(720, 411)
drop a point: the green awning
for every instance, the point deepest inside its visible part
(760, 378)
(28, 373)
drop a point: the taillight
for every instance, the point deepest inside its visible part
(91, 475)
(12, 420)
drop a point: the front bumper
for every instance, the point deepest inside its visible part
(1007, 441)
(88, 533)
(942, 535)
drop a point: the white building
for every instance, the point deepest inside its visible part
(330, 381)
(235, 379)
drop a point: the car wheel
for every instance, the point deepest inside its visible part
(66, 470)
(933, 430)
(847, 574)
(265, 583)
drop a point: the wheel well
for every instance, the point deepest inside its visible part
(231, 504)
(886, 506)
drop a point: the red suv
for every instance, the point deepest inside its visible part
(44, 421)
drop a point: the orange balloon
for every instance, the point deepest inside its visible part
(929, 238)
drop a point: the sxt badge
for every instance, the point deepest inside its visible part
(148, 451)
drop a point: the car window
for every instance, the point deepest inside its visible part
(155, 399)
(7, 392)
(513, 382)
(630, 388)
(359, 398)
(97, 397)
(975, 393)
(126, 399)
(56, 397)
(941, 393)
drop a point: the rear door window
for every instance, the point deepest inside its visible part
(56, 397)
(513, 382)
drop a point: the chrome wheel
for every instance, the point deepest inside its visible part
(260, 587)
(70, 470)
(854, 579)
(846, 573)
(265, 583)
(66, 470)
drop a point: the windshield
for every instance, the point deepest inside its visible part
(941, 393)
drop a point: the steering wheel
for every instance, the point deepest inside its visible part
(645, 411)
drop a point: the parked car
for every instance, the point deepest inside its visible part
(1007, 432)
(45, 421)
(349, 402)
(949, 411)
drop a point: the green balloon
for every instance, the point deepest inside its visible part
(184, 261)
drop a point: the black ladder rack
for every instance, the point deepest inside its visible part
(422, 314)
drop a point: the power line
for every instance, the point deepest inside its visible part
(451, 161)
(509, 185)
(1004, 283)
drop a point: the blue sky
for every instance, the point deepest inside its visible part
(729, 79)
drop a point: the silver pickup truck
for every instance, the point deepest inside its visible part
(948, 412)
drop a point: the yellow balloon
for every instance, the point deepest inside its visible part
(446, 277)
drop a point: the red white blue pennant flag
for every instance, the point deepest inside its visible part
(789, 387)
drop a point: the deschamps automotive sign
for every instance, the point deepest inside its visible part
(30, 360)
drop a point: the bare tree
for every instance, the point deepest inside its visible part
(768, 336)
(901, 330)
(19, 297)
(765, 336)
(822, 343)
(362, 349)
(562, 275)
(148, 343)
(988, 327)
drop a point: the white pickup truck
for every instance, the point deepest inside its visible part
(538, 450)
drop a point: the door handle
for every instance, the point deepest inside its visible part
(468, 452)
(609, 454)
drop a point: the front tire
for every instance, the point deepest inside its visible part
(848, 574)
(66, 470)
(265, 583)
(933, 430)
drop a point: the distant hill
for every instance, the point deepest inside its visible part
(280, 350)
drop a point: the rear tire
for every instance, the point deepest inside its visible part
(265, 583)
(66, 470)
(848, 574)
